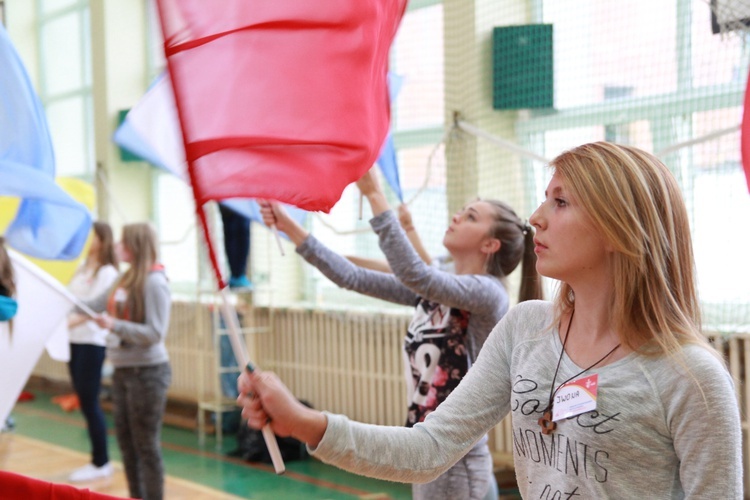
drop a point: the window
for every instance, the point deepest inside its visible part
(65, 90)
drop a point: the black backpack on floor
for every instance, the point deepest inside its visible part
(252, 447)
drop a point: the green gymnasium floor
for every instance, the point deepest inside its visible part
(308, 479)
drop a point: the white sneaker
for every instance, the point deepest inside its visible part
(90, 472)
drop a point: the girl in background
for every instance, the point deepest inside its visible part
(137, 316)
(455, 311)
(96, 276)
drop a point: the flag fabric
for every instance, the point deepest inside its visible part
(81, 191)
(49, 223)
(151, 131)
(745, 135)
(43, 306)
(17, 486)
(280, 100)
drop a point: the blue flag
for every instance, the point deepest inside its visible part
(49, 224)
(389, 166)
(387, 160)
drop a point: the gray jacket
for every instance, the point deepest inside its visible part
(141, 344)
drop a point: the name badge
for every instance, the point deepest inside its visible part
(575, 397)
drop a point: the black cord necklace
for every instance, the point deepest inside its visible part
(545, 421)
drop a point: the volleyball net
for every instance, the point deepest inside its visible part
(491, 91)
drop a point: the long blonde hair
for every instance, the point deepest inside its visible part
(634, 202)
(140, 241)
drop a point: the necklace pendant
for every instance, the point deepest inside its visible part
(546, 423)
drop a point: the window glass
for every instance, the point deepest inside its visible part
(423, 178)
(417, 55)
(175, 216)
(611, 44)
(721, 201)
(156, 61)
(67, 120)
(61, 55)
(86, 48)
(48, 6)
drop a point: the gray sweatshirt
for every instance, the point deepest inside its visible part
(480, 294)
(141, 344)
(662, 428)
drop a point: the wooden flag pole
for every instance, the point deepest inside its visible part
(230, 315)
(231, 321)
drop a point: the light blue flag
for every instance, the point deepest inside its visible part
(389, 166)
(151, 131)
(49, 224)
(387, 160)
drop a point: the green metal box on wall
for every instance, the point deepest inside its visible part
(125, 155)
(522, 67)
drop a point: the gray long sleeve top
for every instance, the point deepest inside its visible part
(662, 428)
(141, 344)
(482, 295)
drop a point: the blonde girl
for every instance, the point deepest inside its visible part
(137, 315)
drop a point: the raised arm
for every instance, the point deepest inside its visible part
(472, 292)
(275, 214)
(370, 188)
(335, 267)
(404, 218)
(367, 263)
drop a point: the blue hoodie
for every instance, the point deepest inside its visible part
(8, 308)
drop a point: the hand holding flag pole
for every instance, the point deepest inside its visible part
(269, 435)
(270, 219)
(240, 353)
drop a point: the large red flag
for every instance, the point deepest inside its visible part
(282, 99)
(279, 99)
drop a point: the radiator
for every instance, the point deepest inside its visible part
(736, 350)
